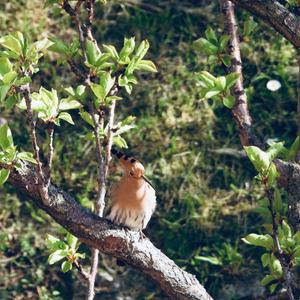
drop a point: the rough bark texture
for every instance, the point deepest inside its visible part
(240, 110)
(292, 186)
(99, 233)
(287, 24)
(276, 15)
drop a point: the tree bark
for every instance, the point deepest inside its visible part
(113, 240)
(276, 15)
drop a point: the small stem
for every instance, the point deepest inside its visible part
(98, 124)
(50, 152)
(74, 16)
(298, 91)
(25, 90)
(280, 254)
(93, 274)
(85, 275)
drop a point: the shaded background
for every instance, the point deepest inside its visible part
(206, 193)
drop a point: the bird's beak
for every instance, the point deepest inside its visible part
(147, 180)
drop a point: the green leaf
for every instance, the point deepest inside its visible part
(221, 83)
(41, 45)
(226, 60)
(146, 65)
(207, 78)
(6, 139)
(102, 60)
(54, 243)
(93, 52)
(112, 51)
(272, 174)
(57, 256)
(66, 266)
(292, 153)
(265, 259)
(275, 266)
(229, 101)
(98, 91)
(142, 49)
(124, 128)
(260, 159)
(231, 79)
(9, 77)
(249, 26)
(276, 149)
(86, 117)
(11, 43)
(28, 156)
(273, 287)
(210, 259)
(119, 142)
(71, 240)
(212, 92)
(128, 48)
(4, 174)
(224, 41)
(11, 101)
(68, 104)
(79, 255)
(3, 91)
(296, 237)
(286, 229)
(5, 65)
(267, 279)
(261, 240)
(211, 36)
(58, 46)
(107, 82)
(66, 117)
(205, 46)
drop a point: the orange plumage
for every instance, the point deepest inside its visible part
(133, 198)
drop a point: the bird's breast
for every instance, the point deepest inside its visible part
(131, 192)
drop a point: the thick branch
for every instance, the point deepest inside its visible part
(99, 233)
(276, 15)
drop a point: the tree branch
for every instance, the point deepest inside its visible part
(111, 239)
(50, 152)
(276, 15)
(287, 275)
(240, 110)
(25, 91)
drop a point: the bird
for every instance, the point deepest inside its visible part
(133, 198)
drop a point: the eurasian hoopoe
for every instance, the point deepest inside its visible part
(133, 198)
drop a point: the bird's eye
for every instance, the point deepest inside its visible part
(131, 173)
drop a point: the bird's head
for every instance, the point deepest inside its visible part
(132, 167)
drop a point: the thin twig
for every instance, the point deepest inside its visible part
(298, 90)
(74, 16)
(50, 152)
(298, 104)
(280, 254)
(85, 275)
(25, 90)
(89, 23)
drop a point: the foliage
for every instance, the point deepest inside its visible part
(206, 195)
